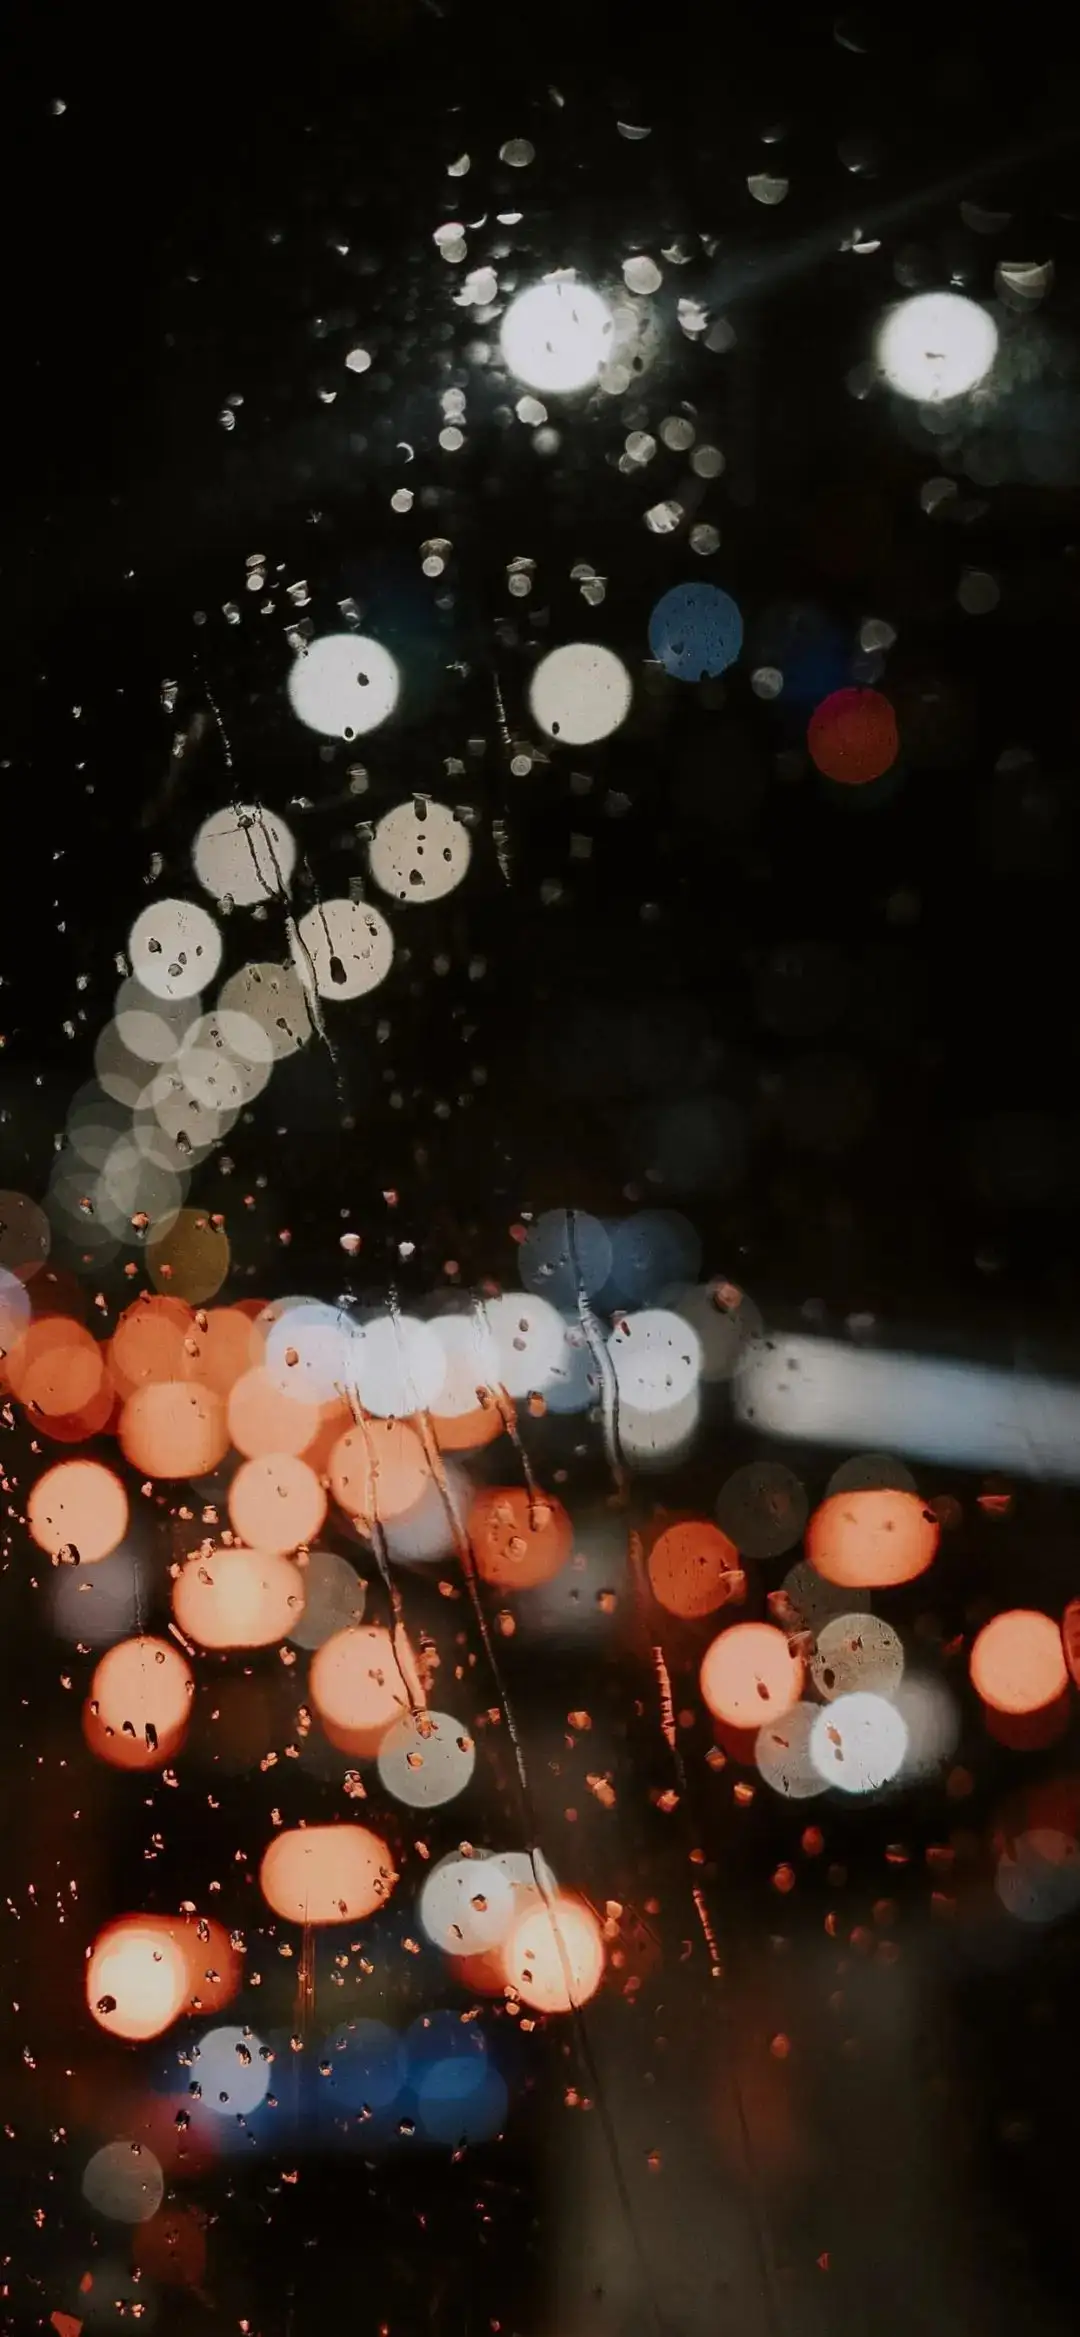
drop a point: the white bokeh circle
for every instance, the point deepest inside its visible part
(344, 684)
(936, 346)
(580, 693)
(858, 1743)
(426, 1759)
(175, 949)
(557, 335)
(244, 854)
(420, 851)
(349, 947)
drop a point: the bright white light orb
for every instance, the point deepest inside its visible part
(936, 346)
(657, 1359)
(426, 1759)
(343, 685)
(556, 336)
(782, 1753)
(273, 997)
(858, 1743)
(175, 949)
(348, 947)
(397, 1366)
(525, 1338)
(467, 1905)
(580, 693)
(419, 851)
(244, 854)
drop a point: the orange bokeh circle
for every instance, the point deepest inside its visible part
(238, 1598)
(222, 1345)
(136, 1977)
(1017, 1662)
(519, 1538)
(360, 1682)
(554, 1957)
(139, 1703)
(378, 1470)
(852, 736)
(55, 1368)
(264, 1419)
(276, 1502)
(326, 1874)
(872, 1540)
(150, 1342)
(78, 1507)
(694, 1568)
(751, 1674)
(173, 1428)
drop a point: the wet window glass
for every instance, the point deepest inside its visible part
(539, 1381)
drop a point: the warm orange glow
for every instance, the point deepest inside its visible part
(192, 1259)
(149, 1342)
(519, 1539)
(55, 1368)
(214, 1967)
(378, 1470)
(276, 1502)
(360, 1682)
(140, 1698)
(263, 1419)
(78, 1510)
(221, 1346)
(693, 1568)
(334, 1419)
(326, 1874)
(95, 1417)
(238, 1598)
(1017, 1662)
(554, 1957)
(751, 1674)
(871, 1541)
(173, 1428)
(171, 2247)
(136, 1977)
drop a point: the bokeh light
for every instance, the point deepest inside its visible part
(936, 346)
(856, 1652)
(657, 1359)
(426, 1759)
(519, 1538)
(238, 1598)
(694, 1569)
(348, 947)
(396, 1366)
(276, 1502)
(556, 335)
(344, 684)
(273, 997)
(420, 851)
(564, 1253)
(191, 1258)
(853, 737)
(136, 1977)
(244, 854)
(751, 1674)
(25, 1238)
(696, 631)
(124, 2181)
(326, 1874)
(379, 1470)
(858, 1742)
(783, 1756)
(231, 2072)
(762, 1507)
(872, 1540)
(78, 1510)
(361, 1681)
(467, 1904)
(1038, 1875)
(580, 693)
(1017, 1662)
(139, 1704)
(554, 1957)
(173, 1428)
(175, 949)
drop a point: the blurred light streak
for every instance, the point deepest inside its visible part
(823, 1392)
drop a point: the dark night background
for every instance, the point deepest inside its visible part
(836, 1028)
